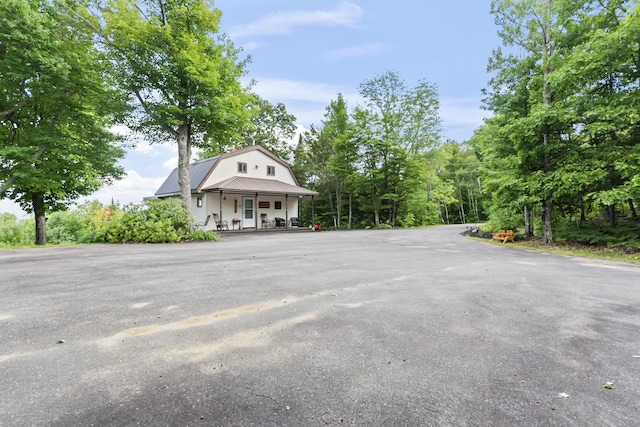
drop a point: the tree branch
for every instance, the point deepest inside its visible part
(13, 109)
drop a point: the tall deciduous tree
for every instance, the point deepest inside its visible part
(603, 76)
(185, 81)
(566, 121)
(271, 127)
(400, 124)
(57, 107)
(536, 28)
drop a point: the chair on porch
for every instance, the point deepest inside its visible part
(202, 225)
(266, 223)
(220, 225)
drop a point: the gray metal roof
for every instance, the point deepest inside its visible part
(255, 185)
(198, 172)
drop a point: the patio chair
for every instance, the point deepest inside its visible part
(203, 225)
(294, 221)
(266, 222)
(220, 225)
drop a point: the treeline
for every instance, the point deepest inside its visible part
(561, 149)
(563, 143)
(382, 164)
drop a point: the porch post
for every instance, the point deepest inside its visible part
(220, 210)
(313, 210)
(255, 212)
(286, 210)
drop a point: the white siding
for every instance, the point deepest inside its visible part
(257, 163)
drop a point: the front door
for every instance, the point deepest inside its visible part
(248, 212)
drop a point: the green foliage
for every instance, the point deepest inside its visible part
(155, 221)
(65, 228)
(58, 104)
(204, 235)
(13, 232)
(600, 234)
(271, 127)
(186, 81)
(370, 166)
(566, 126)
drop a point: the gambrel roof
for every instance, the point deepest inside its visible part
(201, 171)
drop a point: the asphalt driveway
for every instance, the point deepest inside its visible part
(389, 327)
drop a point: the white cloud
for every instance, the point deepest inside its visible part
(279, 90)
(11, 207)
(133, 188)
(253, 45)
(307, 101)
(171, 164)
(357, 51)
(346, 14)
(461, 117)
(462, 111)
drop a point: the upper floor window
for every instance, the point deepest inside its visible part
(271, 170)
(242, 167)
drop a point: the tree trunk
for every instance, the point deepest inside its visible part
(184, 159)
(547, 204)
(338, 206)
(350, 209)
(612, 215)
(462, 218)
(634, 214)
(41, 220)
(527, 222)
(547, 232)
(376, 210)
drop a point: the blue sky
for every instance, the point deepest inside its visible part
(304, 53)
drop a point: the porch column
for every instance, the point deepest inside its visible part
(286, 210)
(255, 212)
(220, 210)
(313, 210)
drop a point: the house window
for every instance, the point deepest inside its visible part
(271, 170)
(242, 167)
(277, 205)
(264, 205)
(199, 202)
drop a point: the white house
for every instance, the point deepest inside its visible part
(249, 188)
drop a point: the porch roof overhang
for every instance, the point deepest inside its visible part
(240, 184)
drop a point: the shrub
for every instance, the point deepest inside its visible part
(204, 235)
(14, 232)
(155, 221)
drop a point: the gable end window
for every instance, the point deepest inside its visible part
(242, 167)
(271, 170)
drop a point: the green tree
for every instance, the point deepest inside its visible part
(602, 75)
(343, 158)
(56, 110)
(270, 126)
(536, 28)
(185, 81)
(395, 126)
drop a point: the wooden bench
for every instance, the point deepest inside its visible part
(504, 235)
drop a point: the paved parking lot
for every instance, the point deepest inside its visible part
(387, 327)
